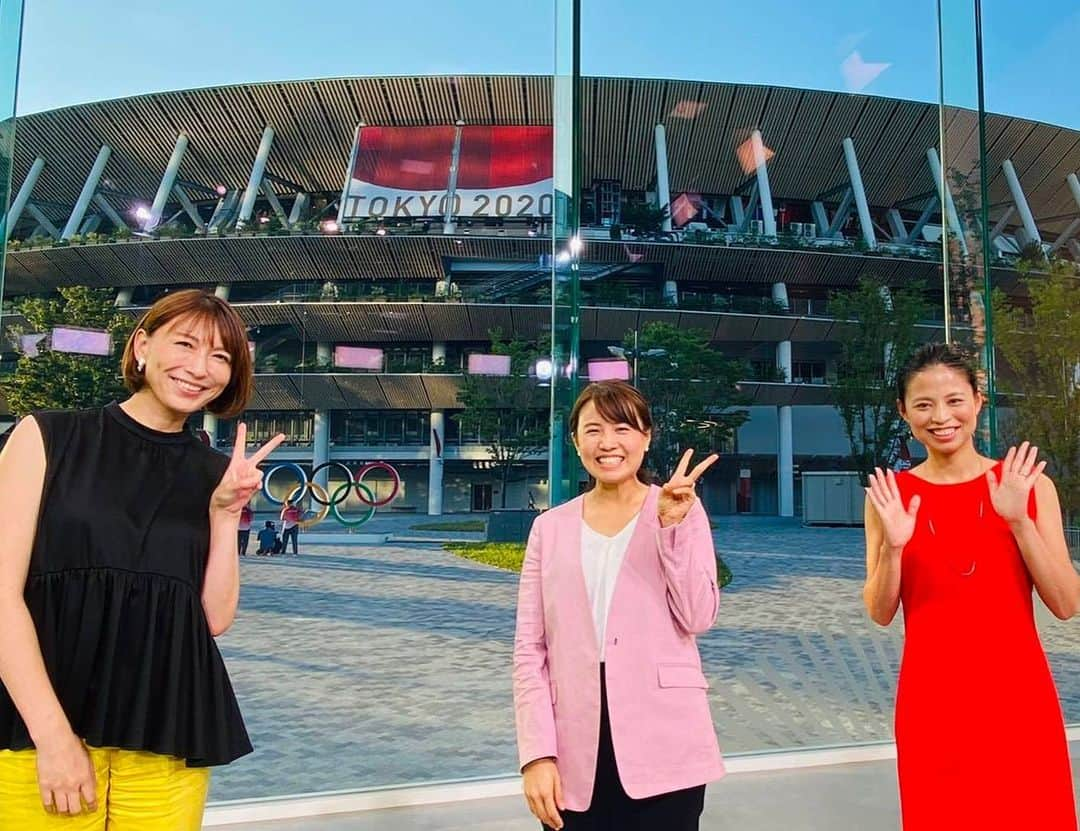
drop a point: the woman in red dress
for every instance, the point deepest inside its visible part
(961, 540)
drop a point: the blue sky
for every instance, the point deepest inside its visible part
(82, 51)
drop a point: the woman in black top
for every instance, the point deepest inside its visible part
(118, 567)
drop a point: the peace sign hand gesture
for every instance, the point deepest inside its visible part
(242, 477)
(1019, 472)
(897, 521)
(677, 495)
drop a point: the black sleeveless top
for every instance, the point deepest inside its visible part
(114, 588)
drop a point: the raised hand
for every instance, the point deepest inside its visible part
(678, 494)
(1019, 472)
(242, 477)
(897, 521)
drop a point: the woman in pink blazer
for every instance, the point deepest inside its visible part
(613, 722)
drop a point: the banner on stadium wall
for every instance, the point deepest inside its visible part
(404, 173)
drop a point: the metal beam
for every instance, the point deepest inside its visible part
(189, 208)
(271, 197)
(663, 187)
(764, 190)
(1031, 231)
(1066, 235)
(18, 204)
(258, 168)
(896, 225)
(107, 209)
(90, 224)
(43, 220)
(166, 185)
(224, 211)
(821, 217)
(932, 205)
(999, 226)
(87, 193)
(859, 191)
(449, 226)
(843, 211)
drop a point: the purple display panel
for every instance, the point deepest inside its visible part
(358, 357)
(81, 341)
(609, 371)
(489, 364)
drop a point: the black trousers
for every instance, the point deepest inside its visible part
(293, 532)
(612, 810)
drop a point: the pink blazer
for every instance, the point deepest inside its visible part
(665, 594)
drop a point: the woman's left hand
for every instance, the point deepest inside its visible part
(242, 477)
(1019, 472)
(678, 495)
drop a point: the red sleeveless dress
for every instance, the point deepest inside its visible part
(980, 736)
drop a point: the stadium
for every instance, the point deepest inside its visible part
(374, 232)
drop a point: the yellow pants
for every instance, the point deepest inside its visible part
(136, 791)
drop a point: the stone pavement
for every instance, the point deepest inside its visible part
(362, 666)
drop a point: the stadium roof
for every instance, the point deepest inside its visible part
(314, 123)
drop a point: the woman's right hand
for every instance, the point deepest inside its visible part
(66, 775)
(897, 522)
(543, 791)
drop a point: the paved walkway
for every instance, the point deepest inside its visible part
(363, 666)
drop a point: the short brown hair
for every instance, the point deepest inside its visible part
(209, 309)
(615, 401)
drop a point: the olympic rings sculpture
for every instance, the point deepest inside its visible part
(330, 503)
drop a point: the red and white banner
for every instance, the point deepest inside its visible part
(404, 172)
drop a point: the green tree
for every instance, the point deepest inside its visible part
(692, 391)
(1039, 368)
(506, 411)
(58, 380)
(878, 338)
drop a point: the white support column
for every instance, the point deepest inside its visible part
(945, 195)
(210, 427)
(821, 217)
(780, 295)
(449, 226)
(438, 352)
(785, 462)
(167, 182)
(663, 187)
(18, 204)
(320, 445)
(1031, 231)
(324, 354)
(123, 298)
(43, 220)
(222, 290)
(435, 463)
(90, 224)
(87, 193)
(764, 191)
(299, 208)
(861, 204)
(785, 455)
(255, 181)
(671, 293)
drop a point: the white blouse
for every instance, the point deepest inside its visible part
(601, 559)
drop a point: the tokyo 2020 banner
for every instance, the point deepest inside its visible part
(404, 173)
